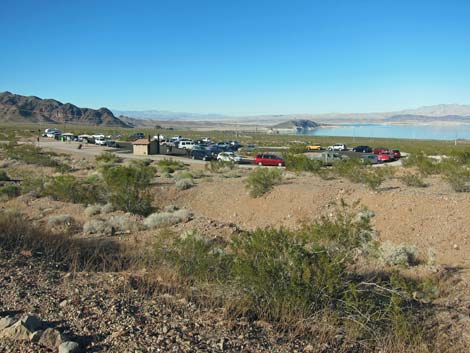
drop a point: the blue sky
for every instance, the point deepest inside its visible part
(238, 57)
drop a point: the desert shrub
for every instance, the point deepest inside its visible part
(129, 187)
(71, 189)
(165, 219)
(196, 257)
(458, 177)
(92, 210)
(108, 158)
(413, 180)
(72, 254)
(9, 191)
(402, 254)
(96, 226)
(357, 172)
(4, 176)
(461, 156)
(108, 208)
(169, 166)
(123, 223)
(63, 220)
(297, 148)
(220, 167)
(31, 154)
(262, 180)
(184, 175)
(291, 278)
(425, 165)
(183, 184)
(301, 163)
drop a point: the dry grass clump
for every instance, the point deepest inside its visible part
(17, 234)
(184, 184)
(96, 226)
(61, 220)
(92, 210)
(165, 219)
(401, 255)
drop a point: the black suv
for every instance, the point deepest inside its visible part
(202, 154)
(363, 149)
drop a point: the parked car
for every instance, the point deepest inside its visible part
(100, 141)
(186, 144)
(380, 150)
(229, 157)
(328, 157)
(396, 154)
(111, 143)
(137, 136)
(338, 147)
(369, 159)
(202, 154)
(383, 157)
(313, 147)
(362, 149)
(248, 148)
(269, 159)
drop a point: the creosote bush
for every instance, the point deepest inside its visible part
(168, 218)
(413, 180)
(262, 180)
(184, 184)
(301, 163)
(169, 165)
(294, 278)
(129, 187)
(108, 158)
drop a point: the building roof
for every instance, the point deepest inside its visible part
(141, 142)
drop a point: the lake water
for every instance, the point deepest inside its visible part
(433, 132)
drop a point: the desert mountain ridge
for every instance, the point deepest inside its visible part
(31, 109)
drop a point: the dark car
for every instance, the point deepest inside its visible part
(202, 154)
(269, 159)
(362, 149)
(396, 154)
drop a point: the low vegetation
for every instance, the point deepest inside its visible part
(413, 180)
(300, 280)
(262, 180)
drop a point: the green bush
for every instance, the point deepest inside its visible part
(458, 177)
(262, 180)
(4, 176)
(293, 277)
(108, 158)
(461, 156)
(425, 165)
(413, 180)
(301, 163)
(10, 191)
(220, 167)
(68, 188)
(30, 154)
(169, 166)
(357, 172)
(129, 187)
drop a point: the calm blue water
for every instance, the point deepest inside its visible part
(433, 132)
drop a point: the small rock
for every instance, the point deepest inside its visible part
(22, 329)
(51, 338)
(36, 336)
(69, 347)
(63, 303)
(6, 321)
(456, 247)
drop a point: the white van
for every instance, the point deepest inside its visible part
(186, 144)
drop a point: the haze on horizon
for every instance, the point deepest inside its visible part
(239, 58)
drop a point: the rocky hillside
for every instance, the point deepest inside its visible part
(22, 109)
(300, 124)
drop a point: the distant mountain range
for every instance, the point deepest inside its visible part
(442, 112)
(30, 109)
(165, 115)
(22, 109)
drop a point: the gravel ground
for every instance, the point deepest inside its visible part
(104, 314)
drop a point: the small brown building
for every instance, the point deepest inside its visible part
(144, 147)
